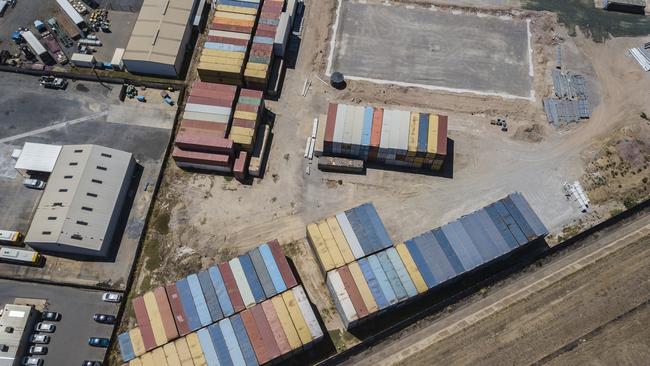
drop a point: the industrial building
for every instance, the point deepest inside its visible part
(16, 322)
(160, 37)
(626, 6)
(80, 208)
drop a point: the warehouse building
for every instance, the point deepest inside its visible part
(16, 323)
(626, 6)
(80, 208)
(160, 37)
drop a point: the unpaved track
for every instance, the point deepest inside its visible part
(602, 288)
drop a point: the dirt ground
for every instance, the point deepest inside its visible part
(200, 219)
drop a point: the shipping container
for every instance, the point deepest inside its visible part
(251, 277)
(297, 318)
(242, 282)
(194, 344)
(382, 280)
(171, 354)
(276, 327)
(232, 287)
(270, 343)
(219, 344)
(330, 244)
(166, 315)
(353, 292)
(362, 286)
(283, 264)
(126, 347)
(207, 347)
(318, 244)
(210, 296)
(340, 240)
(221, 291)
(177, 309)
(350, 236)
(411, 268)
(135, 362)
(307, 312)
(255, 337)
(262, 273)
(287, 324)
(147, 359)
(137, 342)
(144, 323)
(183, 351)
(159, 358)
(243, 340)
(199, 300)
(373, 284)
(272, 268)
(342, 301)
(232, 345)
(391, 275)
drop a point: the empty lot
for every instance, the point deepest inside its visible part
(433, 49)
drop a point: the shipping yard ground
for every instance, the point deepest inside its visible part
(69, 343)
(585, 306)
(84, 113)
(432, 49)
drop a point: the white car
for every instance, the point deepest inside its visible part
(34, 183)
(32, 361)
(45, 327)
(37, 350)
(39, 339)
(111, 297)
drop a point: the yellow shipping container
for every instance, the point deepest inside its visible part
(238, 22)
(137, 342)
(233, 69)
(195, 349)
(332, 248)
(246, 115)
(172, 355)
(297, 318)
(242, 131)
(317, 242)
(432, 141)
(341, 242)
(183, 351)
(239, 139)
(411, 267)
(147, 359)
(221, 53)
(362, 285)
(287, 323)
(413, 134)
(229, 15)
(135, 362)
(220, 60)
(237, 9)
(155, 318)
(256, 66)
(159, 357)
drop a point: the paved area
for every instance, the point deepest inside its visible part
(69, 343)
(84, 113)
(435, 49)
(542, 315)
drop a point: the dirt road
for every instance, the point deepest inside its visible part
(589, 299)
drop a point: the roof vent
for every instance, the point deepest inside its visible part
(9, 329)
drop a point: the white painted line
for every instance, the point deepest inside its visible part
(335, 28)
(53, 127)
(531, 67)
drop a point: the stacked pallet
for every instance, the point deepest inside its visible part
(260, 60)
(347, 237)
(269, 331)
(385, 279)
(392, 137)
(200, 142)
(206, 297)
(247, 117)
(224, 52)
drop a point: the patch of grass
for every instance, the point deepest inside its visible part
(228, 178)
(152, 256)
(162, 223)
(569, 232)
(629, 201)
(341, 339)
(616, 211)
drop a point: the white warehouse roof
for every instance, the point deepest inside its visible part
(38, 157)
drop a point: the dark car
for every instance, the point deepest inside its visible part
(104, 318)
(98, 342)
(52, 316)
(91, 363)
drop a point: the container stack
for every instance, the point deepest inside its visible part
(248, 115)
(207, 297)
(224, 52)
(391, 137)
(347, 237)
(272, 330)
(381, 281)
(260, 60)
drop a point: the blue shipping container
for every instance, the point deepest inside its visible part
(126, 347)
(531, 217)
(222, 292)
(272, 267)
(446, 247)
(482, 220)
(437, 263)
(241, 4)
(243, 340)
(368, 228)
(189, 308)
(262, 272)
(207, 347)
(391, 274)
(466, 252)
(251, 278)
(199, 299)
(231, 342)
(510, 222)
(219, 344)
(380, 299)
(367, 126)
(224, 47)
(380, 230)
(480, 238)
(385, 286)
(210, 296)
(402, 273)
(418, 258)
(519, 219)
(423, 133)
(501, 226)
(359, 231)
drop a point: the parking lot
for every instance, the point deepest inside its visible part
(432, 49)
(84, 113)
(69, 343)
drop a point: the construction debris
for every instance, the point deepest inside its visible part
(569, 102)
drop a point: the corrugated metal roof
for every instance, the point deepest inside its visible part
(38, 157)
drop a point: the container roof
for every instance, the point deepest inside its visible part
(38, 157)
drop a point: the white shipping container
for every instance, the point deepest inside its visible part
(203, 108)
(314, 128)
(236, 35)
(221, 118)
(291, 10)
(404, 122)
(242, 283)
(281, 36)
(70, 11)
(116, 61)
(386, 129)
(357, 128)
(83, 60)
(349, 234)
(348, 124)
(307, 312)
(33, 42)
(341, 110)
(341, 298)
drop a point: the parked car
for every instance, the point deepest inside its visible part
(53, 83)
(111, 297)
(98, 342)
(91, 363)
(34, 183)
(39, 339)
(104, 318)
(45, 327)
(32, 361)
(37, 350)
(52, 316)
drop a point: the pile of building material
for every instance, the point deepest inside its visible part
(569, 103)
(261, 56)
(255, 294)
(224, 53)
(373, 284)
(641, 56)
(347, 237)
(385, 136)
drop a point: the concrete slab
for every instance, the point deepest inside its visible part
(434, 49)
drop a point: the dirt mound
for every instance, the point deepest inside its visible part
(532, 133)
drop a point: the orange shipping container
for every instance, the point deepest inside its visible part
(166, 313)
(276, 327)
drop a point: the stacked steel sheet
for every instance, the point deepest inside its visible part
(271, 330)
(383, 280)
(386, 136)
(207, 297)
(247, 117)
(224, 52)
(348, 236)
(260, 60)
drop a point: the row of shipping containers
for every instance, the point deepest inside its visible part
(391, 277)
(385, 136)
(248, 115)
(347, 236)
(271, 330)
(204, 298)
(225, 50)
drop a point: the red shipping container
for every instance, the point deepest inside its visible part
(231, 28)
(276, 327)
(217, 102)
(283, 265)
(247, 108)
(142, 317)
(255, 337)
(243, 123)
(261, 47)
(193, 157)
(177, 309)
(353, 292)
(203, 142)
(375, 133)
(265, 33)
(266, 27)
(442, 135)
(331, 122)
(251, 94)
(231, 287)
(214, 127)
(264, 328)
(227, 40)
(241, 165)
(165, 313)
(215, 87)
